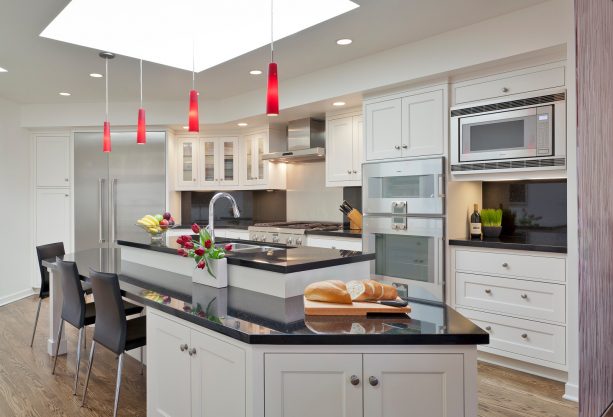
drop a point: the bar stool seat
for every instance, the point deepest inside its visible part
(90, 311)
(136, 333)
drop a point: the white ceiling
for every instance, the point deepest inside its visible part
(39, 68)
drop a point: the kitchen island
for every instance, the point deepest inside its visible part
(232, 352)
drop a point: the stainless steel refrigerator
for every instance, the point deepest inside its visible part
(114, 190)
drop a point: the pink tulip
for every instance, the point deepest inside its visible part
(201, 264)
(228, 246)
(199, 251)
(186, 238)
(182, 252)
(188, 245)
(195, 228)
(208, 244)
(180, 240)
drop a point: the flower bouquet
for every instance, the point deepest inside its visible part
(211, 264)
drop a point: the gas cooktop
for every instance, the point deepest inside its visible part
(290, 233)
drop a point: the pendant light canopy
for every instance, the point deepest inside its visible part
(194, 121)
(272, 93)
(106, 132)
(141, 130)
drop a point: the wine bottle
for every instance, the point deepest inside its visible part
(475, 223)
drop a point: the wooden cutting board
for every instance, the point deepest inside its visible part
(318, 308)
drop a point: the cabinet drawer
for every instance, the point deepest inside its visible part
(537, 300)
(531, 340)
(527, 266)
(484, 89)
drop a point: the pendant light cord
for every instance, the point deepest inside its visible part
(141, 83)
(272, 48)
(106, 78)
(193, 62)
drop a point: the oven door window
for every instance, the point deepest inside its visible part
(408, 257)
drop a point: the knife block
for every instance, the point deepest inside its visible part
(355, 220)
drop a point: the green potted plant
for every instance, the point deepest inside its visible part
(491, 220)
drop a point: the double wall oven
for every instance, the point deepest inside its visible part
(404, 207)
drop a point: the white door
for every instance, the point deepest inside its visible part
(227, 162)
(384, 130)
(188, 149)
(339, 150)
(358, 147)
(217, 378)
(209, 175)
(423, 124)
(168, 368)
(52, 161)
(421, 385)
(307, 385)
(53, 217)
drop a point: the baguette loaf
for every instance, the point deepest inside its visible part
(369, 290)
(328, 291)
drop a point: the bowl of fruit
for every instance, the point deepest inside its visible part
(156, 226)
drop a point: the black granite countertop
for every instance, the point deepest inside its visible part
(257, 318)
(338, 233)
(533, 240)
(286, 260)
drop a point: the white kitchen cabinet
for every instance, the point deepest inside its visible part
(383, 129)
(409, 125)
(344, 151)
(207, 163)
(187, 153)
(427, 385)
(52, 161)
(53, 217)
(208, 152)
(191, 373)
(423, 124)
(255, 169)
(226, 150)
(306, 385)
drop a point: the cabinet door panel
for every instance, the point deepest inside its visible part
(358, 147)
(254, 167)
(210, 165)
(168, 368)
(53, 217)
(188, 162)
(227, 154)
(307, 385)
(384, 130)
(339, 149)
(52, 161)
(423, 124)
(218, 378)
(429, 385)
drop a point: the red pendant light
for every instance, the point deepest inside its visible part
(193, 118)
(141, 130)
(272, 93)
(106, 131)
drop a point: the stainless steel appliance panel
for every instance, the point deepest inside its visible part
(414, 187)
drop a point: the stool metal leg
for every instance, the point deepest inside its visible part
(57, 347)
(118, 385)
(76, 376)
(89, 370)
(40, 301)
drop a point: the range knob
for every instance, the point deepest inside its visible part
(299, 241)
(289, 240)
(275, 239)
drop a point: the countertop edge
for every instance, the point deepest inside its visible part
(509, 246)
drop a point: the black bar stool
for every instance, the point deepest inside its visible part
(113, 330)
(76, 311)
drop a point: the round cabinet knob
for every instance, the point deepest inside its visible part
(524, 296)
(183, 347)
(66, 179)
(355, 172)
(488, 328)
(355, 380)
(373, 381)
(524, 336)
(488, 291)
(348, 171)
(505, 265)
(192, 351)
(505, 90)
(404, 146)
(397, 147)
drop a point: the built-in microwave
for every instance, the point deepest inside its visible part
(523, 133)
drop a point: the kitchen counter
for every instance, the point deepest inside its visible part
(285, 260)
(537, 241)
(256, 318)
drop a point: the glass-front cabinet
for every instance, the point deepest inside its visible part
(188, 151)
(207, 162)
(227, 161)
(255, 168)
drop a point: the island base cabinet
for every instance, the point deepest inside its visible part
(191, 373)
(307, 385)
(420, 385)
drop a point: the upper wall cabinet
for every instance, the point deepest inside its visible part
(52, 161)
(255, 169)
(187, 152)
(406, 125)
(344, 150)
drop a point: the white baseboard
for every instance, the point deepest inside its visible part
(549, 373)
(16, 296)
(571, 392)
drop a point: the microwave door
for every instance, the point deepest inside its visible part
(409, 254)
(500, 135)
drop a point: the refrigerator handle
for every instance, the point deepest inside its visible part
(113, 210)
(441, 186)
(100, 200)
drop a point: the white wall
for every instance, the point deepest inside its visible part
(15, 244)
(307, 195)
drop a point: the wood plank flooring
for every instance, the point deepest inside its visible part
(27, 388)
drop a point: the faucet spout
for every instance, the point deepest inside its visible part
(210, 227)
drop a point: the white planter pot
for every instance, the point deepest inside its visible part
(219, 267)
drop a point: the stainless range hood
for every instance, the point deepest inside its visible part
(305, 142)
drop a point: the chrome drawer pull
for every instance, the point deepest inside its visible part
(488, 328)
(505, 265)
(354, 380)
(524, 336)
(524, 296)
(373, 381)
(488, 291)
(183, 347)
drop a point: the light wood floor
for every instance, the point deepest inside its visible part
(27, 387)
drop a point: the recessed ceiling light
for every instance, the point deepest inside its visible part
(255, 72)
(338, 103)
(242, 124)
(95, 75)
(86, 23)
(3, 70)
(185, 127)
(344, 42)
(64, 94)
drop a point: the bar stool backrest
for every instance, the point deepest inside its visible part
(45, 252)
(110, 330)
(73, 306)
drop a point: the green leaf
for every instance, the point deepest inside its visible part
(208, 268)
